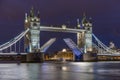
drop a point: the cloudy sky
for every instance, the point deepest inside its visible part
(105, 17)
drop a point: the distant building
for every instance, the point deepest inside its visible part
(61, 55)
(112, 45)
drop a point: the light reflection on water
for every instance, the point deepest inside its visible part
(61, 71)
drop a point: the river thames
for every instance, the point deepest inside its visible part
(60, 71)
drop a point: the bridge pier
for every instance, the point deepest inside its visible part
(90, 57)
(86, 57)
(78, 58)
(34, 57)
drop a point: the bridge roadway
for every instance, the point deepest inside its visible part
(42, 28)
(109, 54)
(47, 28)
(13, 53)
(57, 29)
(106, 54)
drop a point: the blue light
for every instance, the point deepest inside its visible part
(73, 47)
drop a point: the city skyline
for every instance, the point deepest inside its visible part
(105, 17)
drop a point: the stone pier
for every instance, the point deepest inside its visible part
(90, 57)
(34, 57)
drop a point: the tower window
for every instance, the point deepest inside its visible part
(35, 20)
(88, 28)
(34, 24)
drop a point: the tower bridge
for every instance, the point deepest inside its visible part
(32, 39)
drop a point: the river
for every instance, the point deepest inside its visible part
(60, 71)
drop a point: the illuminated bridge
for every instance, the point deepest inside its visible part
(87, 42)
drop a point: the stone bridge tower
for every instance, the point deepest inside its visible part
(32, 38)
(88, 35)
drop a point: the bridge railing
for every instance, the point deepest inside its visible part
(13, 41)
(102, 48)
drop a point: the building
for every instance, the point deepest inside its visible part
(64, 54)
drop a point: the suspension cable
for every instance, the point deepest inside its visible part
(15, 40)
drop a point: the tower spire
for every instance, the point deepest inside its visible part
(26, 18)
(84, 15)
(25, 15)
(38, 14)
(90, 19)
(84, 20)
(78, 23)
(32, 12)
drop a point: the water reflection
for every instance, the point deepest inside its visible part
(61, 71)
(64, 68)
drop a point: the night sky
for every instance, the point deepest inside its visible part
(105, 16)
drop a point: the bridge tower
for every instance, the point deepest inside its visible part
(32, 38)
(88, 34)
(80, 36)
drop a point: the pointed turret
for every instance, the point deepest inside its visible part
(84, 20)
(78, 23)
(32, 12)
(90, 19)
(26, 18)
(38, 14)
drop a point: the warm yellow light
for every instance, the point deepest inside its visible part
(89, 49)
(64, 68)
(64, 50)
(26, 21)
(63, 26)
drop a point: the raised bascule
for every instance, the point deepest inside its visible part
(33, 51)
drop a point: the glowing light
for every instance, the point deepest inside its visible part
(26, 21)
(64, 50)
(64, 68)
(63, 26)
